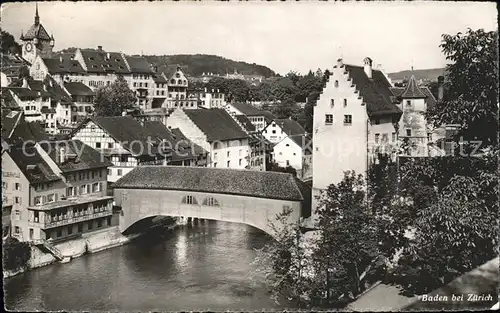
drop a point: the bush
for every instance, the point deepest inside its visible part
(16, 255)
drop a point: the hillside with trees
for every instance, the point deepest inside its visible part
(425, 74)
(197, 64)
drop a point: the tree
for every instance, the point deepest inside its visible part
(348, 242)
(9, 44)
(274, 167)
(471, 99)
(283, 262)
(114, 99)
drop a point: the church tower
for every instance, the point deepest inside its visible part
(36, 41)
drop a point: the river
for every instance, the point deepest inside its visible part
(198, 267)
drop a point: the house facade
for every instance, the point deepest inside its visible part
(57, 190)
(215, 131)
(356, 114)
(123, 141)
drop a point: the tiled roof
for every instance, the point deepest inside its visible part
(139, 65)
(245, 122)
(268, 115)
(375, 91)
(429, 97)
(24, 155)
(63, 64)
(98, 62)
(197, 149)
(8, 100)
(10, 120)
(57, 92)
(127, 131)
(412, 90)
(271, 185)
(86, 157)
(160, 79)
(25, 92)
(247, 109)
(181, 150)
(217, 124)
(158, 102)
(37, 31)
(78, 89)
(10, 60)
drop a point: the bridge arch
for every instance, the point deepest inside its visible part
(238, 196)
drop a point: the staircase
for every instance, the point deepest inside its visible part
(49, 247)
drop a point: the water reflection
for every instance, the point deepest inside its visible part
(204, 266)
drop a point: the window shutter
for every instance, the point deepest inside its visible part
(44, 199)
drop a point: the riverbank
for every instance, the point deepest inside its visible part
(93, 242)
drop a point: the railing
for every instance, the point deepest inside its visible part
(71, 220)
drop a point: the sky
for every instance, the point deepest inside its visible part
(283, 36)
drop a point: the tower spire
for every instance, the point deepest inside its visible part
(37, 17)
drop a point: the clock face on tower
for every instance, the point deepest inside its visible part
(29, 47)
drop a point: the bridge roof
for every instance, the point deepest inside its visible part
(272, 185)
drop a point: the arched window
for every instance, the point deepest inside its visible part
(210, 201)
(179, 81)
(172, 81)
(336, 84)
(189, 200)
(177, 75)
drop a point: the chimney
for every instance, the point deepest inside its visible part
(99, 48)
(62, 155)
(368, 66)
(340, 62)
(108, 56)
(25, 82)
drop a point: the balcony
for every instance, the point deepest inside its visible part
(71, 219)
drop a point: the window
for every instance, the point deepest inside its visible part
(50, 198)
(108, 220)
(38, 200)
(211, 202)
(288, 145)
(332, 103)
(17, 230)
(80, 227)
(110, 172)
(287, 162)
(59, 232)
(429, 136)
(98, 145)
(348, 120)
(120, 172)
(215, 156)
(17, 200)
(240, 162)
(96, 187)
(228, 154)
(274, 131)
(90, 225)
(216, 145)
(110, 145)
(393, 137)
(189, 200)
(17, 186)
(377, 137)
(336, 84)
(408, 104)
(215, 164)
(377, 121)
(385, 138)
(36, 216)
(345, 103)
(83, 189)
(32, 233)
(70, 229)
(228, 163)
(408, 132)
(99, 223)
(328, 119)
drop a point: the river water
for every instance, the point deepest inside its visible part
(198, 267)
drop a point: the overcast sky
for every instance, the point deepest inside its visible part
(283, 36)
